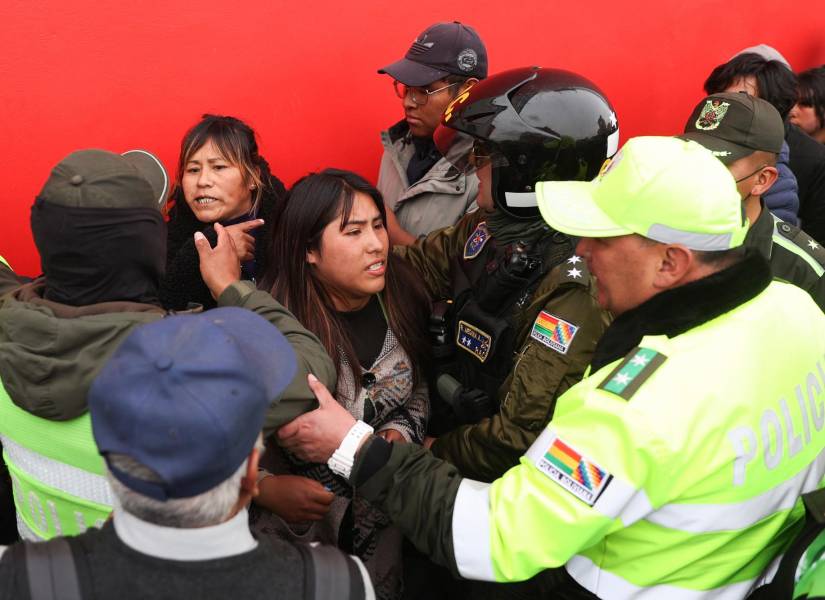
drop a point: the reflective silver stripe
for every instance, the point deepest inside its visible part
(25, 532)
(369, 591)
(67, 478)
(471, 530)
(788, 245)
(619, 500)
(694, 241)
(705, 518)
(521, 199)
(609, 586)
(612, 143)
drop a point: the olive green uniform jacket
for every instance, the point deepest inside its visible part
(50, 353)
(539, 374)
(794, 255)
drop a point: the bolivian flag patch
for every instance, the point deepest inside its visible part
(553, 332)
(577, 474)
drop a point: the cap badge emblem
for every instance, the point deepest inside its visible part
(467, 60)
(712, 114)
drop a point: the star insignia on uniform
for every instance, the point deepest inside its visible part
(575, 259)
(574, 273)
(812, 245)
(622, 379)
(639, 361)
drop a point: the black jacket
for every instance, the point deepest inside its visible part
(807, 161)
(182, 283)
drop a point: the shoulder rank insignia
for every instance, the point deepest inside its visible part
(574, 269)
(475, 243)
(632, 372)
(804, 245)
(473, 340)
(553, 332)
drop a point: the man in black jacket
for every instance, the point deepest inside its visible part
(773, 80)
(746, 134)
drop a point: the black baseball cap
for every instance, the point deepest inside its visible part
(735, 125)
(441, 49)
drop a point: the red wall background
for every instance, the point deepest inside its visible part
(119, 75)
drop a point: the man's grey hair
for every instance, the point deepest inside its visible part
(209, 508)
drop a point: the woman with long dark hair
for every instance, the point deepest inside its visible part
(221, 178)
(332, 267)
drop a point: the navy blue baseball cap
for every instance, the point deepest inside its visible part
(186, 396)
(441, 49)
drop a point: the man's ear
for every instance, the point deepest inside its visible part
(764, 180)
(675, 262)
(249, 482)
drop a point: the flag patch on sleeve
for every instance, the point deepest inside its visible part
(477, 240)
(577, 474)
(553, 332)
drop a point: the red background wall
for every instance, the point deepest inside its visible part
(120, 75)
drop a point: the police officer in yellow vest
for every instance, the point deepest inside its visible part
(674, 469)
(101, 238)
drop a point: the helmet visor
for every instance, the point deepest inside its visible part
(465, 152)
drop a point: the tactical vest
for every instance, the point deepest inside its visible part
(490, 285)
(57, 474)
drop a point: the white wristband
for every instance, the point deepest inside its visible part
(343, 458)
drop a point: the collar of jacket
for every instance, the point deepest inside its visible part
(401, 131)
(33, 293)
(506, 229)
(760, 234)
(680, 309)
(398, 131)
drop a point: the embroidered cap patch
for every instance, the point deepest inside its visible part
(473, 340)
(553, 332)
(578, 475)
(712, 114)
(475, 243)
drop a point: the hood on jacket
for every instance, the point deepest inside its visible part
(50, 352)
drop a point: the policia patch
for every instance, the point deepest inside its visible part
(632, 372)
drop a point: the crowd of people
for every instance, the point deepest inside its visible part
(528, 363)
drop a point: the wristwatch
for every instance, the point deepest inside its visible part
(343, 458)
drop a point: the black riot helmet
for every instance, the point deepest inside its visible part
(532, 124)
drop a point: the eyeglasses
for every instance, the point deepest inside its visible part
(748, 176)
(418, 95)
(480, 154)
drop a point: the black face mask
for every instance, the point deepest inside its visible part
(92, 255)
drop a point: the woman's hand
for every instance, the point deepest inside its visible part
(241, 238)
(294, 498)
(315, 435)
(219, 265)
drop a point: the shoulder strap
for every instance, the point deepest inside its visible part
(330, 575)
(796, 241)
(51, 571)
